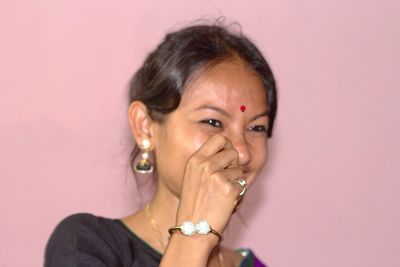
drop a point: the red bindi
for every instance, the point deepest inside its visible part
(242, 108)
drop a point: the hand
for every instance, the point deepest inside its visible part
(208, 189)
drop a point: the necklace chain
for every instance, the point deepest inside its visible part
(157, 232)
(154, 225)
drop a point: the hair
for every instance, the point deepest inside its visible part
(166, 72)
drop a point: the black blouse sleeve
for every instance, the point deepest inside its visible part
(79, 241)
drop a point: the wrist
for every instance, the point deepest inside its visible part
(189, 228)
(201, 243)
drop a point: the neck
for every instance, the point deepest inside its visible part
(164, 206)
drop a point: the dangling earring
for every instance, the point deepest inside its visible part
(144, 165)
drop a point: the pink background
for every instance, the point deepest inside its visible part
(329, 195)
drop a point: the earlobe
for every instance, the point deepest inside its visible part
(140, 121)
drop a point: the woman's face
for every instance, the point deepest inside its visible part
(230, 100)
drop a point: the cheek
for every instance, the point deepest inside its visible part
(175, 146)
(192, 137)
(265, 153)
(193, 142)
(186, 144)
(260, 157)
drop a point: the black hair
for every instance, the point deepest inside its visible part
(166, 72)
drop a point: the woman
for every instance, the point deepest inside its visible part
(202, 108)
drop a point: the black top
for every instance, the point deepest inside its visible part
(87, 240)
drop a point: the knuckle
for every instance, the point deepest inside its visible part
(217, 177)
(225, 187)
(230, 188)
(207, 166)
(194, 159)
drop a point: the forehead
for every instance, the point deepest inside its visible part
(229, 84)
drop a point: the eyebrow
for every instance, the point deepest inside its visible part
(264, 114)
(226, 114)
(217, 109)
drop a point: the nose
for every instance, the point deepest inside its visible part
(242, 146)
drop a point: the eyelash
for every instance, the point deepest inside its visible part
(260, 128)
(218, 124)
(212, 122)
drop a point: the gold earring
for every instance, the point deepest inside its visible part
(144, 165)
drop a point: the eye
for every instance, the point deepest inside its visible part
(258, 128)
(212, 122)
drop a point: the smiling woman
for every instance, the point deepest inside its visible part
(202, 108)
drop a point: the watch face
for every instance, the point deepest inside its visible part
(188, 228)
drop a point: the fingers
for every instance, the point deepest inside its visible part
(217, 158)
(215, 154)
(231, 175)
(228, 185)
(214, 144)
(209, 187)
(227, 158)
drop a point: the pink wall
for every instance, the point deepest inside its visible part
(329, 195)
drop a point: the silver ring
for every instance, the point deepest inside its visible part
(243, 184)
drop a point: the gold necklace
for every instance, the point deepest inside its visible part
(154, 226)
(157, 232)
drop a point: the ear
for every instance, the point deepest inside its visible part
(140, 122)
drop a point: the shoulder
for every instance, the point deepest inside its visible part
(77, 220)
(76, 227)
(80, 237)
(69, 227)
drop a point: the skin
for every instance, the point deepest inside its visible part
(201, 149)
